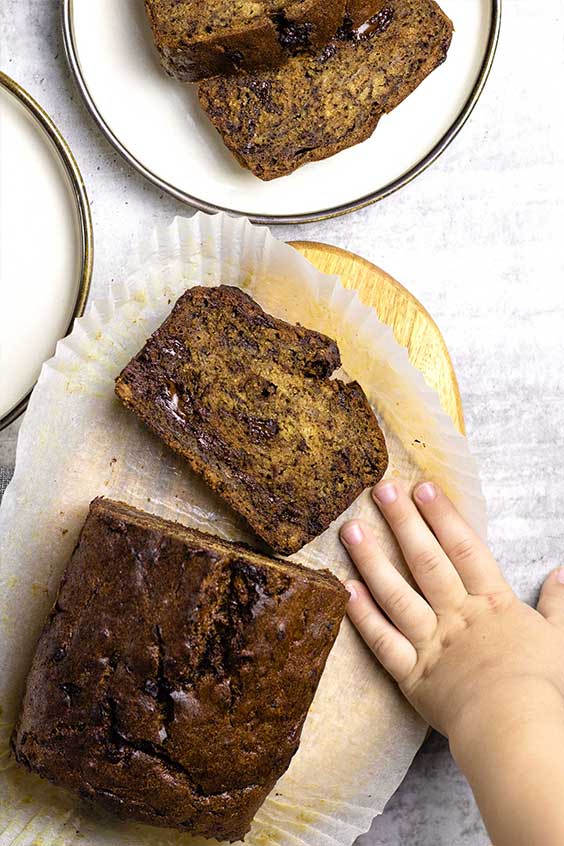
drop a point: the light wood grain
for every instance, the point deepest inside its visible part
(413, 326)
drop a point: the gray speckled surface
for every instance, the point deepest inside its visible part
(478, 238)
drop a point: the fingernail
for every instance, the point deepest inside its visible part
(352, 591)
(385, 494)
(351, 533)
(425, 493)
(560, 576)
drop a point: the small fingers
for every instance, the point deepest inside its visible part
(404, 606)
(392, 649)
(431, 568)
(551, 600)
(472, 559)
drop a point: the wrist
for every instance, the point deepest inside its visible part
(502, 715)
(508, 745)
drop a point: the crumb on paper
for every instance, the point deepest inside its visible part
(64, 532)
(98, 336)
(265, 838)
(113, 460)
(74, 388)
(417, 442)
(207, 247)
(140, 296)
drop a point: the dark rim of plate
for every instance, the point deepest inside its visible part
(82, 206)
(308, 217)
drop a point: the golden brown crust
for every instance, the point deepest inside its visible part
(201, 40)
(248, 400)
(274, 121)
(173, 676)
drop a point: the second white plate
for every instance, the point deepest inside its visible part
(156, 123)
(46, 244)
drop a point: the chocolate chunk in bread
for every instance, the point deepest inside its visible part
(358, 12)
(200, 40)
(174, 673)
(248, 400)
(274, 121)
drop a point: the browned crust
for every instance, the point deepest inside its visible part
(260, 44)
(173, 676)
(289, 516)
(195, 537)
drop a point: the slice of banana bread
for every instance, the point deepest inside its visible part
(174, 673)
(247, 399)
(199, 40)
(274, 121)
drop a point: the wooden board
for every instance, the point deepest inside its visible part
(413, 326)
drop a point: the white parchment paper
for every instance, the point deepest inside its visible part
(77, 442)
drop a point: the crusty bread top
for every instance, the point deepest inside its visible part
(189, 20)
(249, 401)
(274, 121)
(196, 539)
(210, 37)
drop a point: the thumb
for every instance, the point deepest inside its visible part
(551, 600)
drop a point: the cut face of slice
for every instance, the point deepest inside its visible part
(312, 107)
(248, 400)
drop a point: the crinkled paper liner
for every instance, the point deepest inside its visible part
(77, 442)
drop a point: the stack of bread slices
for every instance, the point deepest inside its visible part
(286, 82)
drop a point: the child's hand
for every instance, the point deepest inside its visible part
(479, 665)
(468, 637)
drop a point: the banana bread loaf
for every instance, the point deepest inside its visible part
(174, 674)
(274, 121)
(248, 400)
(199, 40)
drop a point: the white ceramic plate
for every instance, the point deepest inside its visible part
(46, 244)
(157, 125)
